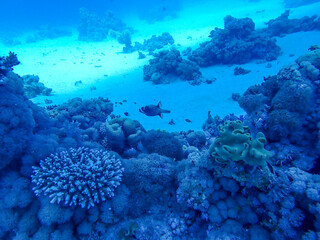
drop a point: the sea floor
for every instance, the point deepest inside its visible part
(61, 62)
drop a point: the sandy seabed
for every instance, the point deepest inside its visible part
(61, 62)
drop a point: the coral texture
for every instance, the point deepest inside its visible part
(167, 66)
(283, 25)
(237, 43)
(235, 143)
(84, 111)
(119, 134)
(155, 42)
(95, 28)
(32, 87)
(80, 176)
(163, 143)
(286, 106)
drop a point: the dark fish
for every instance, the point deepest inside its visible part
(48, 101)
(188, 120)
(78, 83)
(314, 47)
(153, 110)
(126, 113)
(124, 100)
(171, 122)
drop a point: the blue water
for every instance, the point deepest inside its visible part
(159, 120)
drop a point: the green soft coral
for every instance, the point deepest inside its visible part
(236, 143)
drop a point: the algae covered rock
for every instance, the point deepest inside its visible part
(236, 143)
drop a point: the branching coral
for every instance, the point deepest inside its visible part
(6, 63)
(80, 176)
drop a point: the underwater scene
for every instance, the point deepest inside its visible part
(160, 120)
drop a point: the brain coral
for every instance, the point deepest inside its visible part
(80, 176)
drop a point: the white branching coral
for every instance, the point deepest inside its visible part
(80, 176)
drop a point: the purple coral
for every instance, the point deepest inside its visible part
(80, 176)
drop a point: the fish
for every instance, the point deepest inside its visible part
(188, 120)
(126, 113)
(78, 83)
(171, 122)
(154, 110)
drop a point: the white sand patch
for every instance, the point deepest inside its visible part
(62, 62)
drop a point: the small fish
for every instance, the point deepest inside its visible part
(126, 113)
(78, 83)
(172, 122)
(48, 101)
(314, 47)
(188, 120)
(153, 110)
(124, 100)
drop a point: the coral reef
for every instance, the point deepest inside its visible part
(237, 43)
(286, 106)
(6, 64)
(95, 28)
(32, 87)
(170, 186)
(155, 42)
(17, 121)
(283, 25)
(150, 45)
(240, 71)
(125, 38)
(168, 65)
(86, 112)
